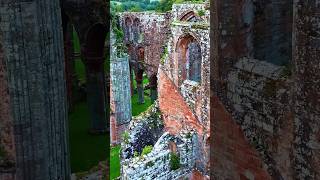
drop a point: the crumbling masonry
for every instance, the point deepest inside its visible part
(36, 72)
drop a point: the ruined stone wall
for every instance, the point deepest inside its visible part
(254, 81)
(121, 94)
(32, 43)
(184, 102)
(149, 31)
(156, 164)
(306, 94)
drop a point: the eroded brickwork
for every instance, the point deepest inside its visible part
(184, 100)
(256, 80)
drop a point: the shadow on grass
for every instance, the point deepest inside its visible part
(86, 150)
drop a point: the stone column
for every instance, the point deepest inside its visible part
(121, 96)
(140, 89)
(93, 53)
(153, 88)
(33, 52)
(96, 97)
(306, 95)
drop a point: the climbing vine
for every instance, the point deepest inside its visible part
(118, 32)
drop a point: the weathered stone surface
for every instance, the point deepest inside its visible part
(156, 164)
(263, 89)
(7, 146)
(32, 43)
(143, 130)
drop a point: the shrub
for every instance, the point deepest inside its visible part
(146, 150)
(201, 13)
(135, 154)
(149, 164)
(126, 137)
(174, 161)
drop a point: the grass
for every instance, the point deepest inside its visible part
(115, 162)
(86, 150)
(136, 107)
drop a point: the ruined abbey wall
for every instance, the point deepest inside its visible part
(254, 77)
(185, 102)
(145, 36)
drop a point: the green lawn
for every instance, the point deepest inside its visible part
(115, 162)
(136, 107)
(139, 108)
(86, 150)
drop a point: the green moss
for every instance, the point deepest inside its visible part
(164, 55)
(126, 137)
(146, 150)
(194, 25)
(174, 161)
(201, 12)
(189, 135)
(149, 164)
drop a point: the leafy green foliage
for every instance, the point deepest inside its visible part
(174, 161)
(126, 137)
(149, 164)
(135, 154)
(164, 5)
(133, 6)
(201, 12)
(146, 150)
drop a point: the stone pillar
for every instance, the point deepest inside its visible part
(69, 62)
(33, 52)
(140, 89)
(93, 53)
(153, 88)
(121, 96)
(131, 82)
(96, 97)
(306, 53)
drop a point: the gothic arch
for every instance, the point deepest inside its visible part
(189, 59)
(136, 29)
(95, 41)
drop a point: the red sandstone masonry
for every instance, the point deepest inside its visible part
(231, 151)
(176, 113)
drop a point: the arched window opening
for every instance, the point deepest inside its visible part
(141, 54)
(128, 24)
(193, 62)
(136, 30)
(189, 59)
